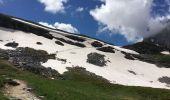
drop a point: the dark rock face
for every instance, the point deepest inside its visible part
(39, 43)
(76, 38)
(164, 79)
(128, 56)
(71, 42)
(149, 52)
(79, 44)
(96, 44)
(59, 43)
(96, 59)
(62, 60)
(132, 72)
(162, 38)
(146, 48)
(7, 22)
(107, 49)
(12, 44)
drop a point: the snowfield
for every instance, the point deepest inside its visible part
(119, 70)
(165, 52)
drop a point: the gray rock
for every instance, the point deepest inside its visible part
(96, 59)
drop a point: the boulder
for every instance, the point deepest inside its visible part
(96, 59)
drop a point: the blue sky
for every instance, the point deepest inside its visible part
(92, 18)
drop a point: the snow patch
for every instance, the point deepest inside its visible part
(125, 50)
(165, 52)
(116, 71)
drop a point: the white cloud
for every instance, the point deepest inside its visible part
(54, 6)
(79, 9)
(168, 2)
(62, 26)
(46, 24)
(131, 18)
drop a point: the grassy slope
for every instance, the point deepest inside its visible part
(79, 86)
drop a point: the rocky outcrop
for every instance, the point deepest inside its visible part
(96, 59)
(71, 42)
(76, 38)
(162, 38)
(8, 22)
(96, 44)
(30, 60)
(39, 43)
(164, 79)
(108, 49)
(146, 48)
(59, 43)
(12, 44)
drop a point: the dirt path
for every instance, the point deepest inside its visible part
(19, 92)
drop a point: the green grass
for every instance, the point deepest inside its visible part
(164, 58)
(160, 58)
(79, 86)
(2, 97)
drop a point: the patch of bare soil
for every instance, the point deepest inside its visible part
(20, 91)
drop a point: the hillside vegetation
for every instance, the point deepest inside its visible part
(151, 53)
(78, 84)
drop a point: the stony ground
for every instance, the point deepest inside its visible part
(19, 92)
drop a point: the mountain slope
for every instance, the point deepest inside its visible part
(162, 38)
(116, 64)
(78, 86)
